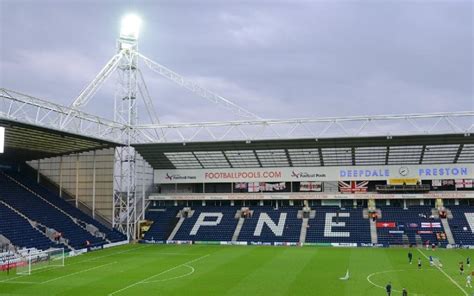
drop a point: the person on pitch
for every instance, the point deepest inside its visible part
(388, 288)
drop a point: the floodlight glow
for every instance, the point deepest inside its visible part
(130, 27)
(2, 138)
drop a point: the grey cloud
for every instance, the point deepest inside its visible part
(281, 59)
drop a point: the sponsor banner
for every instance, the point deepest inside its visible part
(401, 181)
(233, 243)
(311, 186)
(413, 225)
(179, 242)
(106, 246)
(77, 252)
(424, 232)
(260, 244)
(344, 245)
(299, 174)
(456, 246)
(396, 231)
(442, 183)
(312, 195)
(317, 244)
(95, 248)
(430, 225)
(208, 243)
(285, 244)
(371, 245)
(151, 242)
(386, 225)
(261, 186)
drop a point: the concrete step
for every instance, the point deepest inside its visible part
(447, 230)
(238, 228)
(435, 213)
(449, 214)
(304, 228)
(419, 241)
(373, 232)
(176, 228)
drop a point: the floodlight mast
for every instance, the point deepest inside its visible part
(126, 197)
(128, 202)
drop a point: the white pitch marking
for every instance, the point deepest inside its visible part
(74, 263)
(387, 271)
(20, 276)
(108, 255)
(447, 275)
(21, 282)
(158, 274)
(78, 272)
(93, 259)
(175, 254)
(173, 278)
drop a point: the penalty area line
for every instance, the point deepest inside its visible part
(175, 277)
(78, 272)
(108, 255)
(447, 275)
(146, 280)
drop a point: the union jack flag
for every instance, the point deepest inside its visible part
(353, 186)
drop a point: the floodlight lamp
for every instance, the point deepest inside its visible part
(130, 27)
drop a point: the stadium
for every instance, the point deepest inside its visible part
(307, 206)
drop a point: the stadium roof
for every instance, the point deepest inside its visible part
(30, 142)
(427, 149)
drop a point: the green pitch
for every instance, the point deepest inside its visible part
(247, 270)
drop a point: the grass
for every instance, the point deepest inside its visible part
(243, 270)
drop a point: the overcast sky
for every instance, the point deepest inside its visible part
(279, 59)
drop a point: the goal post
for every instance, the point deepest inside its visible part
(31, 262)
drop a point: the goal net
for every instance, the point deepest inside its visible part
(32, 261)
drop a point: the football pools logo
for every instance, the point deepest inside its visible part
(175, 177)
(298, 175)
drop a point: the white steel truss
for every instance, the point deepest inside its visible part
(23, 108)
(331, 127)
(126, 197)
(15, 106)
(197, 89)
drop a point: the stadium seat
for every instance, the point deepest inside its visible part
(35, 202)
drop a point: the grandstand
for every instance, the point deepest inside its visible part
(74, 181)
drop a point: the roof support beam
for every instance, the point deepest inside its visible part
(458, 153)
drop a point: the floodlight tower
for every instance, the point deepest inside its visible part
(125, 112)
